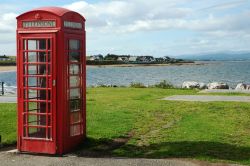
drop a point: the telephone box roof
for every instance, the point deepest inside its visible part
(59, 11)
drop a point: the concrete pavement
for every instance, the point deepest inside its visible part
(17, 159)
(224, 91)
(8, 99)
(207, 98)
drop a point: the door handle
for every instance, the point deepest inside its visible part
(54, 83)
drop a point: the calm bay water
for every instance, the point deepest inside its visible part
(228, 72)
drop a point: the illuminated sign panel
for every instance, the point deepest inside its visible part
(38, 24)
(75, 25)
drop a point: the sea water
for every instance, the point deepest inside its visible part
(230, 72)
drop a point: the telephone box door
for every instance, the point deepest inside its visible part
(37, 116)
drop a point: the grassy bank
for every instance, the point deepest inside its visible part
(132, 122)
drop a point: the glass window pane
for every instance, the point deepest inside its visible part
(37, 44)
(75, 117)
(36, 69)
(37, 107)
(74, 69)
(36, 82)
(41, 57)
(36, 132)
(36, 57)
(33, 106)
(74, 44)
(75, 93)
(32, 56)
(39, 120)
(74, 56)
(48, 58)
(42, 44)
(25, 59)
(75, 105)
(41, 69)
(32, 70)
(49, 44)
(24, 132)
(36, 94)
(32, 45)
(74, 81)
(75, 130)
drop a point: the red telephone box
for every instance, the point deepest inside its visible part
(51, 80)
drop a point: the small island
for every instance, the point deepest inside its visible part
(132, 60)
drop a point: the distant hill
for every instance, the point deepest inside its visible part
(219, 56)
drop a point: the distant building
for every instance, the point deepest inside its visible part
(159, 59)
(145, 59)
(166, 58)
(132, 58)
(4, 58)
(96, 57)
(123, 58)
(111, 57)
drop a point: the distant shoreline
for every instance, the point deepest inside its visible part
(7, 68)
(14, 68)
(148, 65)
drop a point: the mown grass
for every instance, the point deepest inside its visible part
(213, 131)
(8, 120)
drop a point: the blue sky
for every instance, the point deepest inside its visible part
(155, 27)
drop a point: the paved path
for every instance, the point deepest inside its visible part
(13, 159)
(208, 98)
(224, 91)
(8, 99)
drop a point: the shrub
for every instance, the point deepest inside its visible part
(106, 86)
(164, 85)
(137, 85)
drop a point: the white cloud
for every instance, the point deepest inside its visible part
(227, 5)
(132, 16)
(7, 22)
(120, 13)
(7, 33)
(112, 24)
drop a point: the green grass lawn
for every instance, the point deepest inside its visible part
(213, 131)
(8, 118)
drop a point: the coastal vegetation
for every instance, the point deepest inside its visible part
(7, 60)
(133, 122)
(163, 84)
(113, 59)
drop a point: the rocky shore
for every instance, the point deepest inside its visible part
(213, 85)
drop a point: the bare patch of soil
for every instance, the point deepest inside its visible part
(102, 148)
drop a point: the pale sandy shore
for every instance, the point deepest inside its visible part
(7, 68)
(143, 65)
(13, 68)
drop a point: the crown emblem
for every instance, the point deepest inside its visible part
(37, 16)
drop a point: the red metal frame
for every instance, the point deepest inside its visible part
(47, 141)
(44, 108)
(80, 84)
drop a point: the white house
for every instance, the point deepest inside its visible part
(4, 58)
(123, 58)
(96, 58)
(132, 58)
